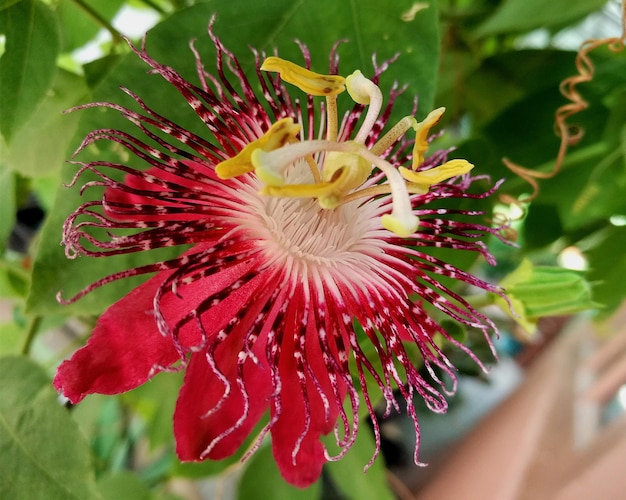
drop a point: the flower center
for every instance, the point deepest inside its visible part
(341, 170)
(299, 228)
(300, 231)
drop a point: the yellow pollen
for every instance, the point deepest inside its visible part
(310, 82)
(282, 132)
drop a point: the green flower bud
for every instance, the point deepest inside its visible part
(537, 291)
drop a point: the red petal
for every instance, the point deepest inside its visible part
(290, 425)
(126, 345)
(203, 389)
(122, 350)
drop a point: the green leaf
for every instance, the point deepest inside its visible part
(39, 148)
(109, 442)
(596, 179)
(369, 27)
(96, 71)
(504, 79)
(348, 473)
(14, 276)
(29, 63)
(7, 203)
(607, 269)
(261, 479)
(526, 15)
(43, 453)
(528, 121)
(7, 3)
(455, 66)
(44, 190)
(542, 226)
(11, 338)
(123, 486)
(155, 402)
(79, 27)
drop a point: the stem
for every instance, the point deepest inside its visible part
(33, 326)
(117, 36)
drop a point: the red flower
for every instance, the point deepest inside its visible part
(300, 225)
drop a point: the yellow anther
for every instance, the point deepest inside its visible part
(427, 178)
(310, 82)
(280, 133)
(422, 129)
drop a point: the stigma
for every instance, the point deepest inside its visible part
(341, 170)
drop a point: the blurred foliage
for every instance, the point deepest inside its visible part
(495, 64)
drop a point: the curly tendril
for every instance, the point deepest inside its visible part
(570, 134)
